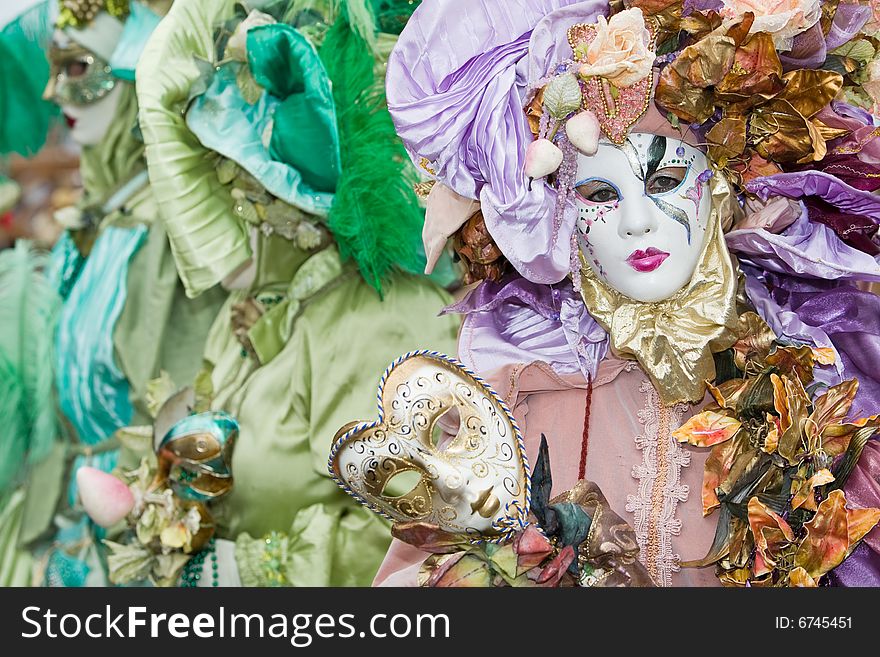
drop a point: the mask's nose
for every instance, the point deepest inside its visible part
(49, 91)
(639, 219)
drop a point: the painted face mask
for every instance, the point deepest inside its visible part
(643, 210)
(195, 456)
(81, 83)
(473, 483)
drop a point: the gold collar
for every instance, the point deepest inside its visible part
(674, 339)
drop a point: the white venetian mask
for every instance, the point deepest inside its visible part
(472, 483)
(83, 87)
(643, 211)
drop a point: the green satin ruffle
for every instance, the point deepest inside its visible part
(325, 546)
(208, 241)
(305, 135)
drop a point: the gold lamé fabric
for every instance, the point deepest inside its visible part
(674, 339)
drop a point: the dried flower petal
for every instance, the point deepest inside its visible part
(717, 468)
(800, 578)
(771, 534)
(707, 429)
(833, 534)
(803, 490)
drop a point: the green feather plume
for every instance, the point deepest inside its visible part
(25, 117)
(29, 307)
(376, 217)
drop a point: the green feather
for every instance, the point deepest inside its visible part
(25, 117)
(29, 307)
(376, 217)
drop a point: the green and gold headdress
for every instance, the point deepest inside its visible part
(79, 13)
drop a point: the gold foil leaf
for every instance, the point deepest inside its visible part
(755, 75)
(832, 534)
(707, 429)
(727, 139)
(717, 468)
(756, 338)
(810, 91)
(803, 490)
(771, 534)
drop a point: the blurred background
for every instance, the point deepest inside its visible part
(38, 163)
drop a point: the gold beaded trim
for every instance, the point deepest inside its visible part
(583, 33)
(79, 13)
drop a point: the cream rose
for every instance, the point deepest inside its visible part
(872, 84)
(784, 19)
(621, 50)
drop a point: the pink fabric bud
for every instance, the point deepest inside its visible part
(583, 132)
(105, 498)
(542, 158)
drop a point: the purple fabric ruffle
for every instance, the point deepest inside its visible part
(810, 48)
(804, 249)
(518, 321)
(799, 184)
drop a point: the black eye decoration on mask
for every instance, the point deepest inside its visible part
(658, 181)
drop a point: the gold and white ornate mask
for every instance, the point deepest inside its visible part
(475, 482)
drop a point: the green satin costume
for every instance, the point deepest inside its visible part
(315, 355)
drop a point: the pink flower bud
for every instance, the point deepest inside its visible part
(583, 132)
(542, 158)
(105, 498)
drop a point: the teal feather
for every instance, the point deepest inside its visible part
(376, 217)
(25, 118)
(29, 307)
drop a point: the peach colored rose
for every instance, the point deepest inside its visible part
(784, 19)
(621, 50)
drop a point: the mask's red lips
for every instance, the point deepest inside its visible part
(70, 121)
(646, 261)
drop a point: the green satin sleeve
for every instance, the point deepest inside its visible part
(208, 241)
(324, 547)
(290, 408)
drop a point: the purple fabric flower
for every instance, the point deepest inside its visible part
(517, 321)
(690, 6)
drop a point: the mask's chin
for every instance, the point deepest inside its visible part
(89, 124)
(657, 285)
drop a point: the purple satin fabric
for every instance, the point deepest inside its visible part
(457, 82)
(799, 184)
(517, 321)
(691, 6)
(804, 249)
(851, 319)
(809, 49)
(862, 569)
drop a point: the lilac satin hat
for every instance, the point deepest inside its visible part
(457, 84)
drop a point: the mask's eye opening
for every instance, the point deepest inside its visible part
(445, 428)
(598, 191)
(77, 68)
(402, 483)
(665, 180)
